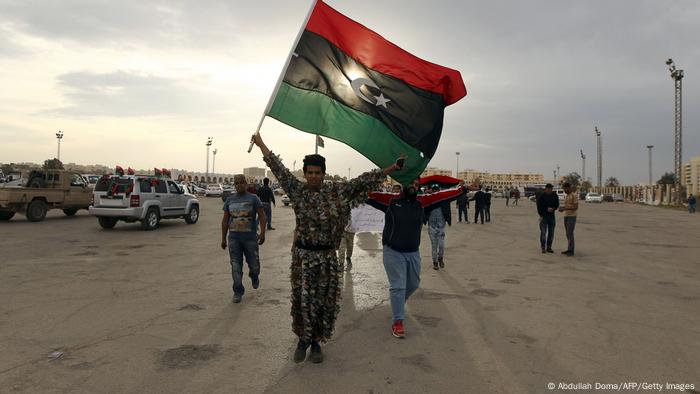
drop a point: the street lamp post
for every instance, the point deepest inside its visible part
(677, 76)
(209, 142)
(650, 177)
(583, 167)
(59, 137)
(457, 171)
(599, 140)
(213, 162)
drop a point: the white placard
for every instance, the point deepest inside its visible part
(365, 219)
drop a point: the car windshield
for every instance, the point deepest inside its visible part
(593, 194)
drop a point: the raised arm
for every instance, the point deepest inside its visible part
(287, 180)
(356, 190)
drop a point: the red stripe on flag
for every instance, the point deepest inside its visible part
(375, 52)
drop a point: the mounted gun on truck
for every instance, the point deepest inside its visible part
(45, 190)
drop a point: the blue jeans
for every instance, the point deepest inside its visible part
(267, 208)
(403, 272)
(237, 248)
(547, 224)
(437, 242)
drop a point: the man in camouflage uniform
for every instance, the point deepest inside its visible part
(322, 211)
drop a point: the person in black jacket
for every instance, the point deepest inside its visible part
(547, 204)
(403, 221)
(463, 205)
(268, 199)
(479, 204)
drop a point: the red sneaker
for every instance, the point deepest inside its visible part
(397, 329)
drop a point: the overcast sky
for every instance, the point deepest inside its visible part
(144, 83)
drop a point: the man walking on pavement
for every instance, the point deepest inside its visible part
(403, 220)
(239, 235)
(437, 216)
(506, 194)
(692, 202)
(346, 246)
(547, 204)
(570, 208)
(479, 203)
(268, 200)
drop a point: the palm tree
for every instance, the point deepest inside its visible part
(612, 182)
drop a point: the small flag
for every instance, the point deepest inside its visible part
(346, 82)
(319, 141)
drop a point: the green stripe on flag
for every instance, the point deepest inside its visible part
(317, 113)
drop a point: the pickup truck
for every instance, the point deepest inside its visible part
(50, 189)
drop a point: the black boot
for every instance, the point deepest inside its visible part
(442, 263)
(300, 353)
(316, 355)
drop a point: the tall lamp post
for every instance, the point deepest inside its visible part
(457, 172)
(209, 142)
(213, 162)
(650, 177)
(583, 167)
(677, 76)
(599, 140)
(59, 137)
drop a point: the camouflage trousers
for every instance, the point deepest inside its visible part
(316, 289)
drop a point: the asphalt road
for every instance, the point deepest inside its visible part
(151, 312)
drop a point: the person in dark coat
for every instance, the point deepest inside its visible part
(487, 205)
(479, 204)
(463, 206)
(547, 204)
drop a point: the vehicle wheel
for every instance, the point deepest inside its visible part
(6, 215)
(36, 211)
(36, 182)
(107, 222)
(150, 222)
(70, 211)
(193, 215)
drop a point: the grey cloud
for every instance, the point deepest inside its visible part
(124, 94)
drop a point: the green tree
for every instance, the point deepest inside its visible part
(573, 178)
(667, 178)
(586, 186)
(612, 182)
(53, 164)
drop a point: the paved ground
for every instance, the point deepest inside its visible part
(150, 312)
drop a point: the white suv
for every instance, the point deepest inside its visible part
(141, 198)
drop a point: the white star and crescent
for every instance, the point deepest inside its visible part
(357, 84)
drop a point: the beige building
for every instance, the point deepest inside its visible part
(690, 175)
(500, 181)
(254, 173)
(435, 171)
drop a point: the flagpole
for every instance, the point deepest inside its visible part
(316, 144)
(284, 70)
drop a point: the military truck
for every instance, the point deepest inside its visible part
(44, 190)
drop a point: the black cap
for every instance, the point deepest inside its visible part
(548, 186)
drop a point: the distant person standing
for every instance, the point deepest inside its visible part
(692, 202)
(487, 205)
(516, 197)
(570, 209)
(267, 197)
(506, 194)
(479, 203)
(463, 206)
(547, 204)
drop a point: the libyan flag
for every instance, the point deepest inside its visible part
(348, 83)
